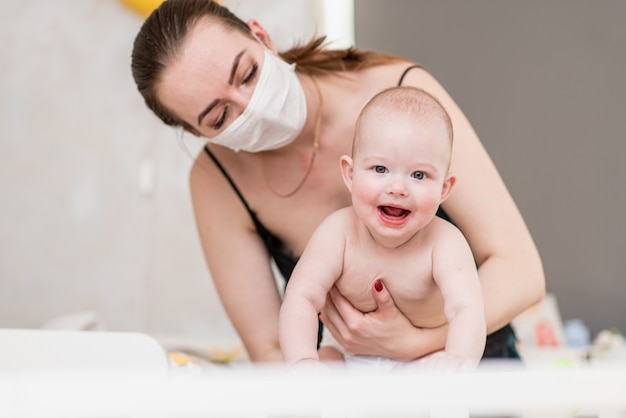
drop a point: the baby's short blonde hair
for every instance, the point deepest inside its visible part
(409, 101)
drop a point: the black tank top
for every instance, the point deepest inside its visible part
(502, 342)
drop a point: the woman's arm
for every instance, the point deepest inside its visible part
(510, 268)
(511, 272)
(238, 262)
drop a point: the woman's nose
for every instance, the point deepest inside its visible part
(239, 101)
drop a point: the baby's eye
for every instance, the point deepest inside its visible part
(251, 74)
(418, 175)
(380, 169)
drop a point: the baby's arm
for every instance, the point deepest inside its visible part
(454, 271)
(318, 268)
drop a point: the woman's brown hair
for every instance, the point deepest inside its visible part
(163, 32)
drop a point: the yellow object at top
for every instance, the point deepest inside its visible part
(142, 7)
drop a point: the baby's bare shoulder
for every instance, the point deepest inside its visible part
(441, 228)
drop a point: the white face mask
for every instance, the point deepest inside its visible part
(275, 114)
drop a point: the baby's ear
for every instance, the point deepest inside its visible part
(448, 185)
(346, 171)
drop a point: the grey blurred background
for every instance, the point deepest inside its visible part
(544, 84)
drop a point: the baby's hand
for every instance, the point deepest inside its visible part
(447, 362)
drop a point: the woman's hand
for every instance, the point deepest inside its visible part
(383, 332)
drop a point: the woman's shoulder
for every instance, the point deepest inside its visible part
(212, 195)
(387, 73)
(205, 178)
(201, 170)
(355, 88)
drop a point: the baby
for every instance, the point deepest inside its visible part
(398, 176)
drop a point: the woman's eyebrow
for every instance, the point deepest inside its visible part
(233, 71)
(207, 110)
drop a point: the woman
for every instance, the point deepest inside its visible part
(270, 173)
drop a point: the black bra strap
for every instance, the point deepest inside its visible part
(406, 71)
(232, 183)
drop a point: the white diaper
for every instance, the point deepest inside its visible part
(359, 362)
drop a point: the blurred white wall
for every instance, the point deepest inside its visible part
(95, 212)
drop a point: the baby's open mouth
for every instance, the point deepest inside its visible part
(393, 212)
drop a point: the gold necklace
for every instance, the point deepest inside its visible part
(316, 144)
